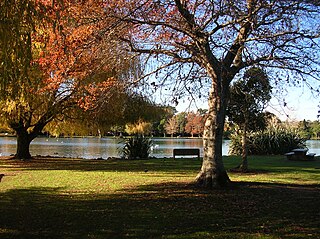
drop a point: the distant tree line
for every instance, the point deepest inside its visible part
(186, 124)
(137, 115)
(308, 129)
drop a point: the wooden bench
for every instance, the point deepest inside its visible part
(300, 155)
(186, 152)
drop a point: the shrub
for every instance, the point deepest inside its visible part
(137, 147)
(274, 140)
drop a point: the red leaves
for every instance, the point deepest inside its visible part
(94, 91)
(72, 42)
(195, 123)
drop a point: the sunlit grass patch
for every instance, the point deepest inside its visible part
(276, 169)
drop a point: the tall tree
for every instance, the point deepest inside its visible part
(248, 98)
(195, 123)
(169, 112)
(47, 58)
(21, 77)
(198, 42)
(172, 126)
(181, 121)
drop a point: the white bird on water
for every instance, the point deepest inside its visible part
(154, 147)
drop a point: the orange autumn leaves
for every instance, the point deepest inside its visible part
(73, 42)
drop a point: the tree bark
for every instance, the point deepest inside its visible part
(25, 137)
(23, 145)
(213, 173)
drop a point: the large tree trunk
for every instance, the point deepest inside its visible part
(213, 173)
(23, 145)
(24, 137)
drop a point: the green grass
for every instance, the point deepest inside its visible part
(66, 198)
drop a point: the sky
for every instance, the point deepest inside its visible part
(301, 104)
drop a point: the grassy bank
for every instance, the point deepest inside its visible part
(68, 198)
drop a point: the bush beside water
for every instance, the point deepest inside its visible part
(272, 141)
(136, 147)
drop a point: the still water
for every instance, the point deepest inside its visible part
(91, 148)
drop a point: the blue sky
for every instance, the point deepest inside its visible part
(301, 104)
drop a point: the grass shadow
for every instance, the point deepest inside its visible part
(167, 210)
(259, 164)
(161, 165)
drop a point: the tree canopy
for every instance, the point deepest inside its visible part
(248, 98)
(52, 61)
(207, 43)
(195, 47)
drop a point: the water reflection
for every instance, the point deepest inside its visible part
(93, 147)
(109, 147)
(313, 146)
(65, 147)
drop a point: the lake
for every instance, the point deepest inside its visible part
(92, 148)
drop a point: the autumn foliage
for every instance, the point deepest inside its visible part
(195, 124)
(186, 124)
(73, 46)
(56, 57)
(187, 46)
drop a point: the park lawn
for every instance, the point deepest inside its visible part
(72, 198)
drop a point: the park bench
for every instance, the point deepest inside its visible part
(300, 154)
(186, 152)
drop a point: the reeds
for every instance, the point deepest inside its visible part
(136, 147)
(272, 141)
